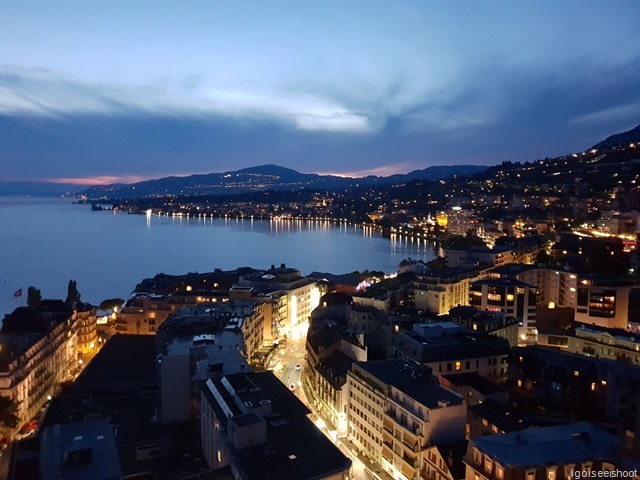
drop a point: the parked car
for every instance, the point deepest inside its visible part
(27, 430)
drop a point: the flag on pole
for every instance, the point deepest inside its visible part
(18, 293)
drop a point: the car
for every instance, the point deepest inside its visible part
(22, 435)
(298, 367)
(292, 387)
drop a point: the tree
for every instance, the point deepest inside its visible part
(34, 298)
(8, 410)
(543, 257)
(110, 303)
(73, 296)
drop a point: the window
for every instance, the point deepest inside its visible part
(568, 470)
(488, 463)
(458, 366)
(499, 471)
(531, 474)
(551, 472)
(477, 456)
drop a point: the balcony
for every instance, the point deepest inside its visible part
(414, 446)
(411, 462)
(426, 476)
(387, 425)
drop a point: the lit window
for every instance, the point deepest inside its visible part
(488, 463)
(568, 470)
(604, 382)
(458, 366)
(593, 387)
(576, 373)
(520, 383)
(477, 457)
(499, 471)
(531, 474)
(551, 473)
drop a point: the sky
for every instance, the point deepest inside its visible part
(97, 92)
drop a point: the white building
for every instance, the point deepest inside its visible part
(396, 410)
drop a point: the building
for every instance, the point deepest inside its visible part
(143, 314)
(443, 461)
(614, 344)
(607, 301)
(512, 297)
(549, 453)
(38, 350)
(397, 410)
(331, 347)
(480, 256)
(197, 343)
(474, 388)
(120, 388)
(255, 427)
(447, 347)
(559, 383)
(493, 417)
(87, 330)
(495, 323)
(291, 296)
(458, 220)
(79, 451)
(441, 290)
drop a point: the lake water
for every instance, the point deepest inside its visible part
(46, 242)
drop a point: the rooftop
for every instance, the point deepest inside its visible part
(475, 381)
(295, 449)
(499, 415)
(502, 282)
(413, 380)
(550, 445)
(82, 451)
(124, 359)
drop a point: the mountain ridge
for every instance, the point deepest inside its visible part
(265, 177)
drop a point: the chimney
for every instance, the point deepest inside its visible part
(282, 265)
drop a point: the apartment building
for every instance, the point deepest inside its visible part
(38, 349)
(510, 296)
(549, 453)
(331, 347)
(608, 301)
(611, 343)
(255, 428)
(396, 410)
(441, 290)
(447, 347)
(291, 296)
(87, 329)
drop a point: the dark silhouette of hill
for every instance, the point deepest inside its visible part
(264, 177)
(630, 136)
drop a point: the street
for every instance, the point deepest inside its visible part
(289, 369)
